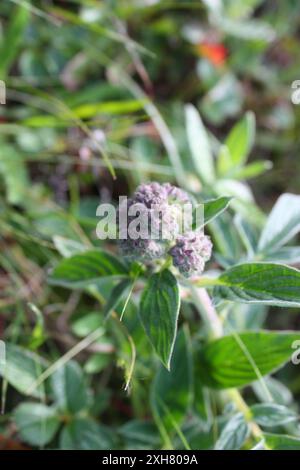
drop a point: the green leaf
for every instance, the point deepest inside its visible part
(283, 223)
(12, 39)
(215, 207)
(69, 388)
(67, 247)
(226, 238)
(240, 140)
(199, 145)
(285, 255)
(85, 434)
(86, 111)
(259, 446)
(252, 170)
(51, 223)
(141, 435)
(85, 324)
(234, 434)
(251, 30)
(13, 170)
(281, 442)
(116, 296)
(264, 283)
(90, 110)
(36, 423)
(201, 398)
(83, 269)
(211, 210)
(247, 234)
(96, 363)
(239, 10)
(271, 414)
(280, 393)
(22, 368)
(231, 362)
(159, 311)
(170, 407)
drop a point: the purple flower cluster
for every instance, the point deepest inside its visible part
(141, 250)
(155, 194)
(163, 204)
(190, 253)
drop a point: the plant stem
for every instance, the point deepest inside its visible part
(214, 327)
(207, 311)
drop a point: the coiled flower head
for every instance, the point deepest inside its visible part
(158, 209)
(190, 253)
(154, 229)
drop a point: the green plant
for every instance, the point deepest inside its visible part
(175, 350)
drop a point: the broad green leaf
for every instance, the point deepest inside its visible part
(283, 223)
(83, 269)
(86, 434)
(69, 388)
(171, 408)
(234, 361)
(12, 39)
(234, 434)
(264, 283)
(240, 140)
(36, 423)
(271, 414)
(22, 368)
(199, 145)
(281, 442)
(159, 311)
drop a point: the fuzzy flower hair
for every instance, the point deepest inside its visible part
(162, 205)
(190, 253)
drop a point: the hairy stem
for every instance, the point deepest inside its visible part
(214, 327)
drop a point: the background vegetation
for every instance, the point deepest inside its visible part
(101, 96)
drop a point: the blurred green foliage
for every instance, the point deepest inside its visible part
(101, 96)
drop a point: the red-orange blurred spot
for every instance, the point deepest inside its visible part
(214, 52)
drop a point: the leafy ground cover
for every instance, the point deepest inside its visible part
(106, 352)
